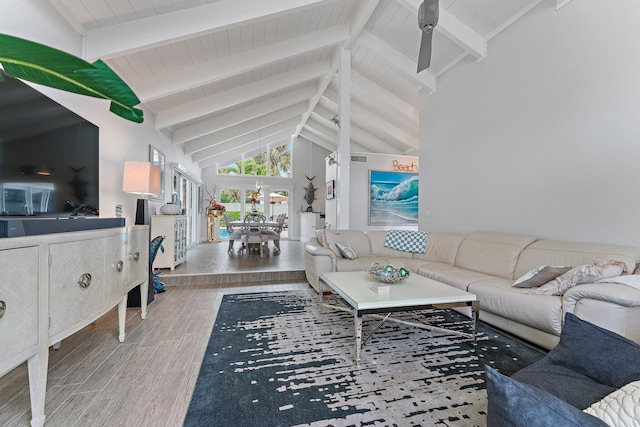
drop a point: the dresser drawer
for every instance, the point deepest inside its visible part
(115, 267)
(18, 303)
(137, 259)
(76, 284)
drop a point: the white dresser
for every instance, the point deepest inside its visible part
(174, 230)
(309, 223)
(53, 285)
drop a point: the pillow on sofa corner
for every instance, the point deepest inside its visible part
(347, 251)
(539, 276)
(512, 403)
(586, 273)
(328, 239)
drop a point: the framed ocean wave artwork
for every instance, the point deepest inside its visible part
(393, 198)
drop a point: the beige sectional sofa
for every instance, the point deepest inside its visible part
(487, 264)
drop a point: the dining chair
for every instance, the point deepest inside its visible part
(254, 231)
(274, 234)
(233, 233)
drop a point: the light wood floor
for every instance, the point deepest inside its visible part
(209, 263)
(146, 381)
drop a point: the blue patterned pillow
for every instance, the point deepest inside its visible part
(405, 240)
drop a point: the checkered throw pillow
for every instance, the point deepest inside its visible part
(408, 241)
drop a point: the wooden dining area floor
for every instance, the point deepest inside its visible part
(209, 263)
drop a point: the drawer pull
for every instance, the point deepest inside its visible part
(3, 308)
(120, 266)
(85, 280)
(136, 256)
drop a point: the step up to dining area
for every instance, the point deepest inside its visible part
(210, 264)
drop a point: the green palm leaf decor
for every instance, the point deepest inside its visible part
(51, 67)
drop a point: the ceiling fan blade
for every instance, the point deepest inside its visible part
(424, 57)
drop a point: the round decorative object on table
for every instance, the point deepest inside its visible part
(387, 273)
(169, 209)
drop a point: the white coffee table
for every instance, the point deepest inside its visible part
(414, 293)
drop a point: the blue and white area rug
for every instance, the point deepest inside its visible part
(274, 359)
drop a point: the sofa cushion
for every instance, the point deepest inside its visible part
(441, 247)
(377, 239)
(539, 276)
(573, 253)
(492, 253)
(360, 263)
(452, 275)
(358, 240)
(512, 403)
(414, 265)
(497, 296)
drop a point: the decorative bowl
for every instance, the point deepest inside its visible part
(387, 273)
(169, 209)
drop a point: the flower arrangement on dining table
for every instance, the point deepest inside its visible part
(254, 198)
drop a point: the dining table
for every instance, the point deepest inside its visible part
(254, 225)
(267, 224)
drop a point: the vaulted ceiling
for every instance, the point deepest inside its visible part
(226, 77)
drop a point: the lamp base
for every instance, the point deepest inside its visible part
(142, 212)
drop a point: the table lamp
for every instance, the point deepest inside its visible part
(141, 178)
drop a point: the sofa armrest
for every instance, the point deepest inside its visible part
(613, 306)
(614, 293)
(314, 248)
(317, 260)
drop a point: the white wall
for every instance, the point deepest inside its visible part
(120, 139)
(541, 137)
(308, 160)
(359, 193)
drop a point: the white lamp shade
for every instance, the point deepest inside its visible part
(141, 178)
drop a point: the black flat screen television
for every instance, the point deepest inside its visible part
(49, 156)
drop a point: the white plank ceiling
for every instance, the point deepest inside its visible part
(226, 77)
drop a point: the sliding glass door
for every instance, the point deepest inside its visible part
(186, 190)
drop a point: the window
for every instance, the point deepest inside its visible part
(272, 161)
(280, 160)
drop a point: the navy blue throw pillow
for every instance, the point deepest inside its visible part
(597, 353)
(512, 403)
